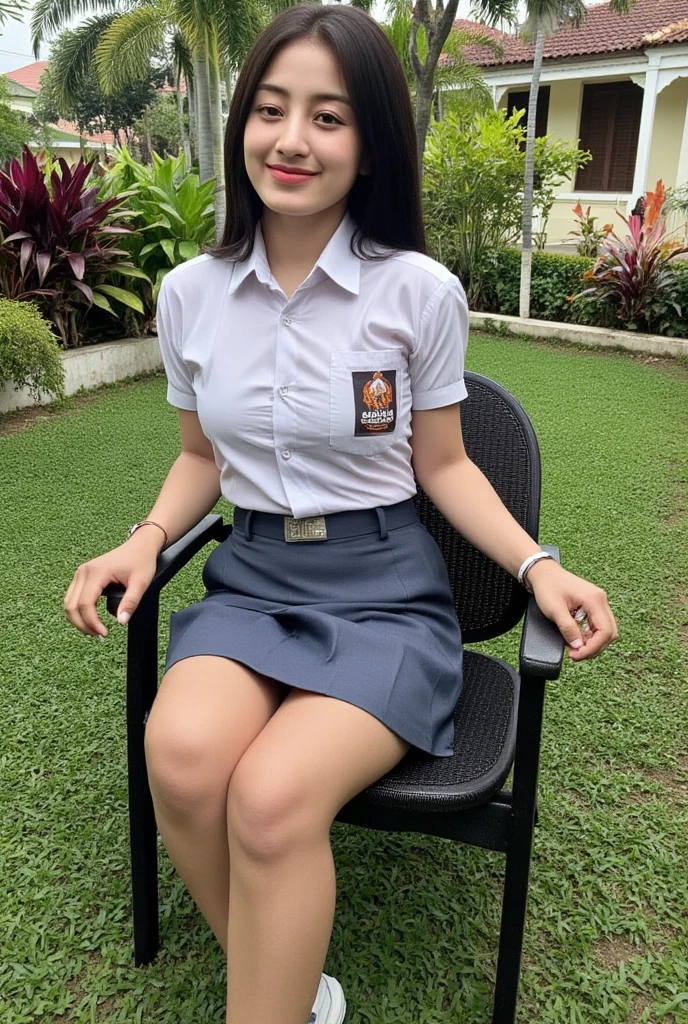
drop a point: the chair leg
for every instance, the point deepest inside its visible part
(142, 671)
(519, 850)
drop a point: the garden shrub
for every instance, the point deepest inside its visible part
(29, 351)
(473, 189)
(555, 276)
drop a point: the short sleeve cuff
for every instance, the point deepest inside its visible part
(447, 395)
(180, 399)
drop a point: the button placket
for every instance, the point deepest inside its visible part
(284, 425)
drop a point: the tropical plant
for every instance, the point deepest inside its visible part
(207, 42)
(29, 352)
(56, 246)
(172, 209)
(589, 238)
(472, 188)
(88, 107)
(633, 274)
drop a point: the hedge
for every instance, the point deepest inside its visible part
(556, 276)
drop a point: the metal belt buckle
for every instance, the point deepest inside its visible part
(312, 528)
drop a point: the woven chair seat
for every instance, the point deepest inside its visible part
(484, 747)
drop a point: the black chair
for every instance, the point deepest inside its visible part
(498, 718)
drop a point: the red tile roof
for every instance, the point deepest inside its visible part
(28, 75)
(650, 23)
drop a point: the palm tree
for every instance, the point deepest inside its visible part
(429, 37)
(542, 18)
(458, 73)
(208, 39)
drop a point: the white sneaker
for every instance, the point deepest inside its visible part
(330, 1004)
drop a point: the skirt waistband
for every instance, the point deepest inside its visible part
(335, 525)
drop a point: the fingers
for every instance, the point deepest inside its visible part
(132, 596)
(80, 602)
(604, 630)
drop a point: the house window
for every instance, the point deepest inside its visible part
(609, 127)
(519, 101)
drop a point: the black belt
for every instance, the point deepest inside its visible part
(333, 526)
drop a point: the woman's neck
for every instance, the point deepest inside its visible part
(294, 244)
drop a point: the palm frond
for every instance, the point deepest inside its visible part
(49, 16)
(182, 58)
(239, 25)
(72, 61)
(124, 53)
(494, 12)
(457, 40)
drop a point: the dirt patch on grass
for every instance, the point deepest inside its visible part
(614, 951)
(673, 780)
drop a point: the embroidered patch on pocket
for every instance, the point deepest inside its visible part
(375, 396)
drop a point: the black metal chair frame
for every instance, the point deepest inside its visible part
(417, 796)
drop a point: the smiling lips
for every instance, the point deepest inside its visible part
(290, 175)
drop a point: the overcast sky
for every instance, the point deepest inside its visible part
(15, 37)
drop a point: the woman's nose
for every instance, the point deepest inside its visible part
(292, 137)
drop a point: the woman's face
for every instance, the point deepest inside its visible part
(300, 118)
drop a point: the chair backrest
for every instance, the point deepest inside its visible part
(500, 440)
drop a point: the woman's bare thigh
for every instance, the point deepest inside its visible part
(207, 712)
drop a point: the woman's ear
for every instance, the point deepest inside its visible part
(365, 166)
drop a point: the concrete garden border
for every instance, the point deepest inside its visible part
(649, 344)
(110, 361)
(91, 365)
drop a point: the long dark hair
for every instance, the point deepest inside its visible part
(385, 204)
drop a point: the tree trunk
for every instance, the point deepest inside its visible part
(424, 93)
(193, 120)
(217, 140)
(206, 166)
(183, 132)
(527, 222)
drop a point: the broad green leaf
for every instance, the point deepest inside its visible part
(124, 296)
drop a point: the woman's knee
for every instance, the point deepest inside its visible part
(181, 768)
(205, 715)
(270, 814)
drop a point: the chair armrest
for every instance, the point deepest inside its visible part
(174, 558)
(542, 645)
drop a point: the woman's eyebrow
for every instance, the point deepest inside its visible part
(337, 97)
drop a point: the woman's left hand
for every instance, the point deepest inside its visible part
(559, 593)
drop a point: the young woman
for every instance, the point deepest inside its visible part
(316, 360)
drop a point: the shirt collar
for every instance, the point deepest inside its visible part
(337, 260)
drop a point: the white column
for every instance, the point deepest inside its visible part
(647, 118)
(682, 169)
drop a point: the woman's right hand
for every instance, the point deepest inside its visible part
(132, 564)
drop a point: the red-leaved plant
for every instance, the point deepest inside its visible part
(633, 274)
(55, 246)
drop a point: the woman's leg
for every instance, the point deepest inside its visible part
(205, 715)
(313, 756)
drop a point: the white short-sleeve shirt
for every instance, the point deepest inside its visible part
(307, 401)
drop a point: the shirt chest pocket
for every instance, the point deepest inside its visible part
(365, 400)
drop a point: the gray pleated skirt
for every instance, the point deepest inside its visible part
(365, 615)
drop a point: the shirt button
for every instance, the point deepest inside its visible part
(287, 320)
(286, 454)
(284, 390)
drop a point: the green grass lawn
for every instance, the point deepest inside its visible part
(415, 933)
